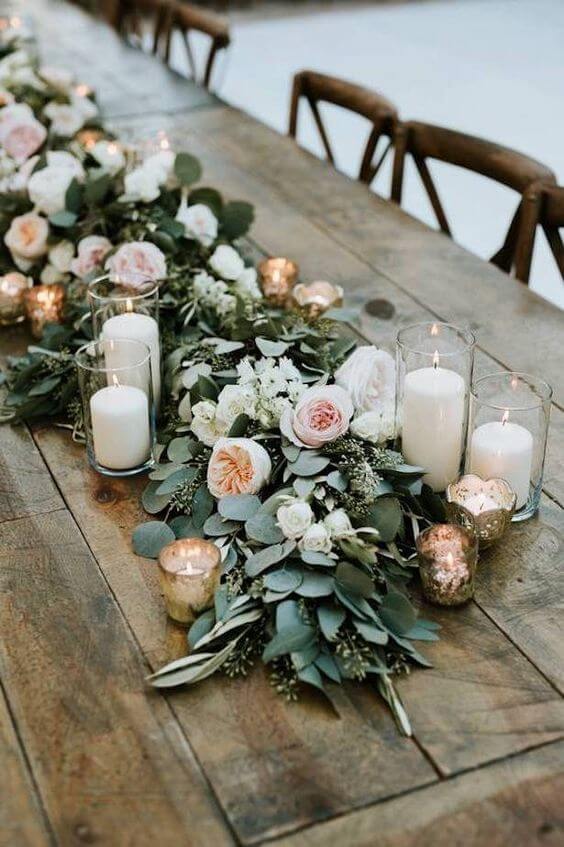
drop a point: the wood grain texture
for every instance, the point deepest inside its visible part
(109, 760)
(517, 802)
(272, 766)
(21, 820)
(26, 487)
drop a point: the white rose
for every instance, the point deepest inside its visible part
(238, 466)
(338, 524)
(26, 239)
(84, 106)
(50, 275)
(65, 119)
(62, 159)
(61, 256)
(15, 113)
(226, 262)
(294, 518)
(234, 400)
(161, 165)
(22, 138)
(316, 539)
(369, 375)
(199, 222)
(204, 424)
(58, 78)
(377, 426)
(109, 156)
(246, 284)
(47, 188)
(141, 184)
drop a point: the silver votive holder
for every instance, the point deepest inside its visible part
(189, 572)
(317, 297)
(484, 506)
(448, 556)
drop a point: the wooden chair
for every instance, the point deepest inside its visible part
(185, 18)
(315, 88)
(131, 15)
(543, 205)
(515, 170)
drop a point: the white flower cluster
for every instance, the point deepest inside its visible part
(220, 295)
(264, 389)
(369, 375)
(144, 183)
(296, 519)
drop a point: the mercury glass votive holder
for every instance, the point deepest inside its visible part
(484, 506)
(13, 287)
(507, 434)
(448, 556)
(189, 571)
(278, 276)
(44, 304)
(317, 297)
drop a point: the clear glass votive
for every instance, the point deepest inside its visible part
(127, 306)
(189, 572)
(278, 276)
(117, 402)
(448, 556)
(433, 376)
(507, 434)
(485, 506)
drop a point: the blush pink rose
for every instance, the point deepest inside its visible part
(92, 251)
(24, 139)
(321, 415)
(27, 236)
(138, 260)
(237, 466)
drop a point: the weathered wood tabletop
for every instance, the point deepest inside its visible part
(89, 754)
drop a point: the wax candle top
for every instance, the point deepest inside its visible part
(189, 557)
(435, 381)
(504, 435)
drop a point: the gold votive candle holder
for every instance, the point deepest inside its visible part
(13, 287)
(278, 276)
(448, 556)
(484, 506)
(44, 304)
(189, 572)
(89, 137)
(317, 297)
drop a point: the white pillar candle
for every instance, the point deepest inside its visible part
(121, 430)
(433, 423)
(135, 327)
(504, 450)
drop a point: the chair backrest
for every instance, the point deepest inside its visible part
(382, 114)
(131, 14)
(543, 205)
(185, 18)
(509, 167)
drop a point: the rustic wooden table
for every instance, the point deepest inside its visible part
(89, 755)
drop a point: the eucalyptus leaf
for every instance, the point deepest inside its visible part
(236, 219)
(288, 615)
(304, 487)
(353, 580)
(154, 503)
(238, 507)
(45, 386)
(271, 348)
(202, 505)
(312, 557)
(308, 463)
(149, 538)
(316, 585)
(207, 387)
(330, 618)
(187, 168)
(289, 640)
(183, 527)
(196, 672)
(311, 676)
(337, 480)
(302, 658)
(178, 449)
(180, 477)
(371, 633)
(263, 527)
(239, 426)
(285, 579)
(268, 556)
(386, 516)
(397, 613)
(201, 626)
(325, 663)
(215, 525)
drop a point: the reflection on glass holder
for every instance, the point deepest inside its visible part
(507, 434)
(117, 403)
(484, 506)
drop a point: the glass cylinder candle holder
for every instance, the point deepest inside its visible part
(13, 287)
(278, 276)
(484, 506)
(448, 555)
(317, 297)
(507, 434)
(44, 304)
(189, 571)
(127, 306)
(433, 376)
(117, 402)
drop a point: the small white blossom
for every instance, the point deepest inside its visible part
(204, 424)
(316, 539)
(226, 262)
(338, 524)
(234, 400)
(294, 517)
(377, 426)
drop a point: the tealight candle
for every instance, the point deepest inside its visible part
(504, 449)
(433, 422)
(13, 287)
(89, 137)
(483, 506)
(448, 555)
(278, 276)
(189, 573)
(121, 430)
(44, 304)
(135, 327)
(317, 296)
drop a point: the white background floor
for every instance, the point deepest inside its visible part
(489, 67)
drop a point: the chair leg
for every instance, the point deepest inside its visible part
(557, 247)
(400, 145)
(294, 107)
(505, 256)
(322, 133)
(209, 64)
(530, 213)
(427, 181)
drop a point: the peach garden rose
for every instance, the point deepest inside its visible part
(321, 415)
(238, 466)
(92, 251)
(138, 259)
(23, 139)
(27, 237)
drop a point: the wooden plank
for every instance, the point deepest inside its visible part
(517, 802)
(26, 486)
(107, 758)
(429, 266)
(21, 820)
(272, 765)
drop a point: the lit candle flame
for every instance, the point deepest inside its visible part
(434, 329)
(436, 359)
(128, 305)
(505, 417)
(115, 381)
(450, 559)
(164, 143)
(82, 90)
(112, 148)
